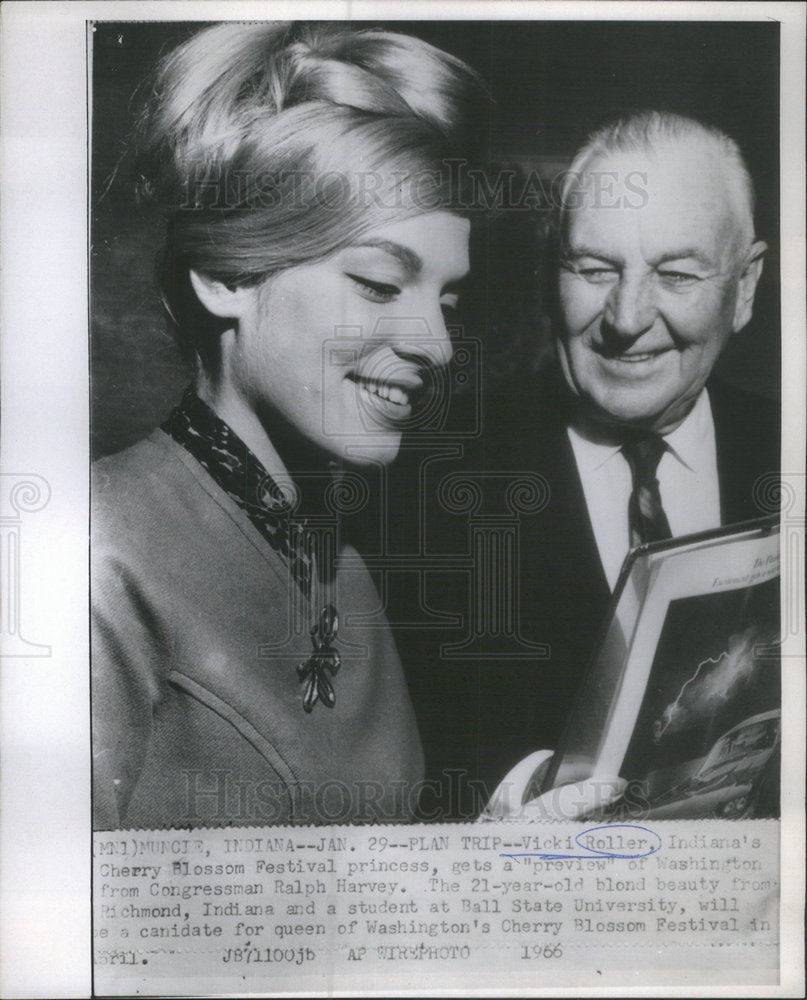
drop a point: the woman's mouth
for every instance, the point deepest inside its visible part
(386, 402)
(384, 390)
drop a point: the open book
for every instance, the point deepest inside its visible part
(683, 697)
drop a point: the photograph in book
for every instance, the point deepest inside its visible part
(706, 742)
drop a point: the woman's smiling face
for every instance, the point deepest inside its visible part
(340, 349)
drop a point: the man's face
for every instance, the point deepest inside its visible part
(654, 279)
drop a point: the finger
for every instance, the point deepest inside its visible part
(574, 801)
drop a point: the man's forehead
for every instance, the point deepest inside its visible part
(673, 198)
(689, 160)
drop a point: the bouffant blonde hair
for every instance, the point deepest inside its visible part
(269, 145)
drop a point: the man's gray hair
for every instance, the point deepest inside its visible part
(645, 131)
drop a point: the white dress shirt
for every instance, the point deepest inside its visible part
(687, 476)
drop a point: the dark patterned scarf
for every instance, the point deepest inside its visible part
(243, 478)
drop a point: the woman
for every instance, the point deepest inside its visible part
(243, 671)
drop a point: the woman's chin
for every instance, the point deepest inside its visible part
(371, 449)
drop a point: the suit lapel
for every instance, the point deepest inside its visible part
(747, 445)
(568, 524)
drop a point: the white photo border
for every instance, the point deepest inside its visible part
(46, 947)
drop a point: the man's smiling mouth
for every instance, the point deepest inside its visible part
(636, 358)
(632, 357)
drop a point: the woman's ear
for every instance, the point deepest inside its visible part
(218, 298)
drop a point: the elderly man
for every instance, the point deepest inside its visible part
(658, 267)
(636, 440)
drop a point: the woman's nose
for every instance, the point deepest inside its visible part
(630, 308)
(425, 337)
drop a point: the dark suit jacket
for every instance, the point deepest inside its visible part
(485, 716)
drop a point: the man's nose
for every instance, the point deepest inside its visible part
(630, 308)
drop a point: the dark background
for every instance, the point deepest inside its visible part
(552, 81)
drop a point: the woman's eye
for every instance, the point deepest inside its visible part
(376, 291)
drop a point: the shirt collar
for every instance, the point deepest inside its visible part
(689, 443)
(594, 445)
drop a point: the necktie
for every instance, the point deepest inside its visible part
(646, 517)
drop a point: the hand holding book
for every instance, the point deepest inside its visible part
(682, 704)
(516, 798)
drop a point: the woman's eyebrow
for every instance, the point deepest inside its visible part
(408, 258)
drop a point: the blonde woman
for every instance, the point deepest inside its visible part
(315, 240)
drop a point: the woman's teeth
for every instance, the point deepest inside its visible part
(390, 392)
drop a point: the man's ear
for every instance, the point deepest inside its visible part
(747, 285)
(218, 298)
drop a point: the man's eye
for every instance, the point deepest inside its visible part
(597, 275)
(376, 291)
(678, 278)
